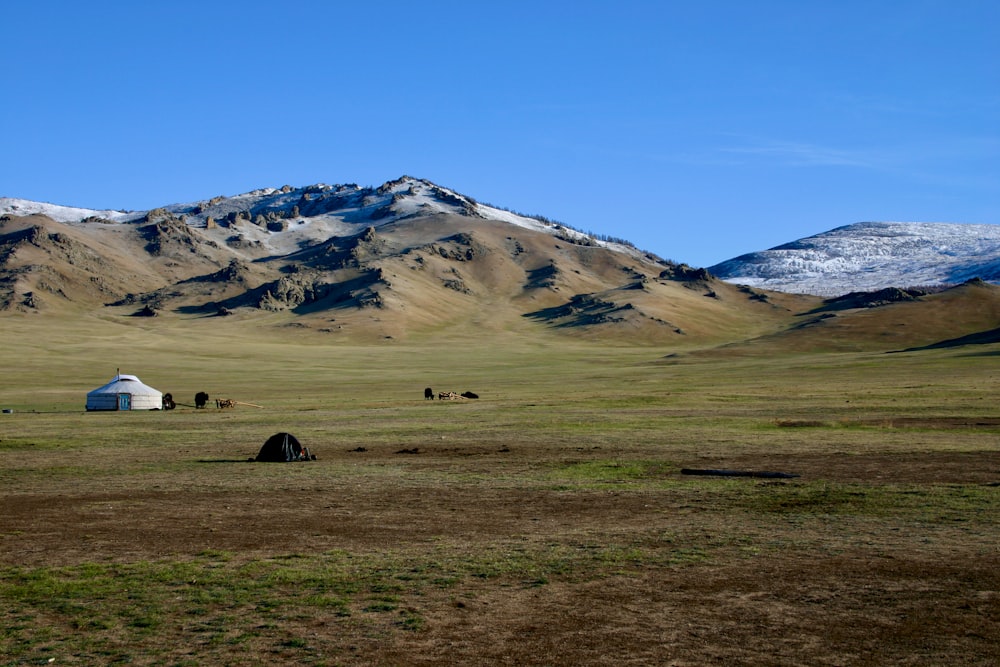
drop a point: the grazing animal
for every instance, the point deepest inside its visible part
(469, 394)
(200, 399)
(449, 396)
(428, 394)
(225, 403)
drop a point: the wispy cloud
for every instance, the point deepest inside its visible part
(799, 154)
(939, 153)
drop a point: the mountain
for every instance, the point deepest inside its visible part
(872, 256)
(405, 258)
(411, 259)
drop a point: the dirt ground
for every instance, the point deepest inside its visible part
(771, 589)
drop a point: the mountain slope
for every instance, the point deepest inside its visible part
(967, 314)
(413, 259)
(405, 258)
(44, 263)
(871, 256)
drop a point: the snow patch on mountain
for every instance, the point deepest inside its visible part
(870, 256)
(283, 219)
(23, 207)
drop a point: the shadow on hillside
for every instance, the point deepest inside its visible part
(300, 296)
(978, 338)
(882, 297)
(583, 310)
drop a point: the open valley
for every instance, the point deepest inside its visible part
(546, 522)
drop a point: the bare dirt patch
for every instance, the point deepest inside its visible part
(981, 468)
(649, 570)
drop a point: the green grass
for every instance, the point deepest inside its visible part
(129, 604)
(930, 503)
(590, 439)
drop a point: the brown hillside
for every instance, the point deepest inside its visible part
(420, 275)
(46, 265)
(970, 311)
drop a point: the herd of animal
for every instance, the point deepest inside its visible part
(448, 395)
(201, 399)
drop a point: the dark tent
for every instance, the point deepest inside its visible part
(283, 447)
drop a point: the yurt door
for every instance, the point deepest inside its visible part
(124, 401)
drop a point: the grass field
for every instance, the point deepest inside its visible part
(546, 523)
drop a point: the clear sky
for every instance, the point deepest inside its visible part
(696, 129)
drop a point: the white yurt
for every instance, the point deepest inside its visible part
(125, 392)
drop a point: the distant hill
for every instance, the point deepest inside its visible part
(892, 320)
(872, 256)
(404, 258)
(413, 259)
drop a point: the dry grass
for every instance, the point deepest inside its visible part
(545, 523)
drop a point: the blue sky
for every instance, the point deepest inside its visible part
(698, 130)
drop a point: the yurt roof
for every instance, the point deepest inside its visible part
(125, 384)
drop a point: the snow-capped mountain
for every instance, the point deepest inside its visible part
(406, 256)
(870, 256)
(287, 217)
(411, 258)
